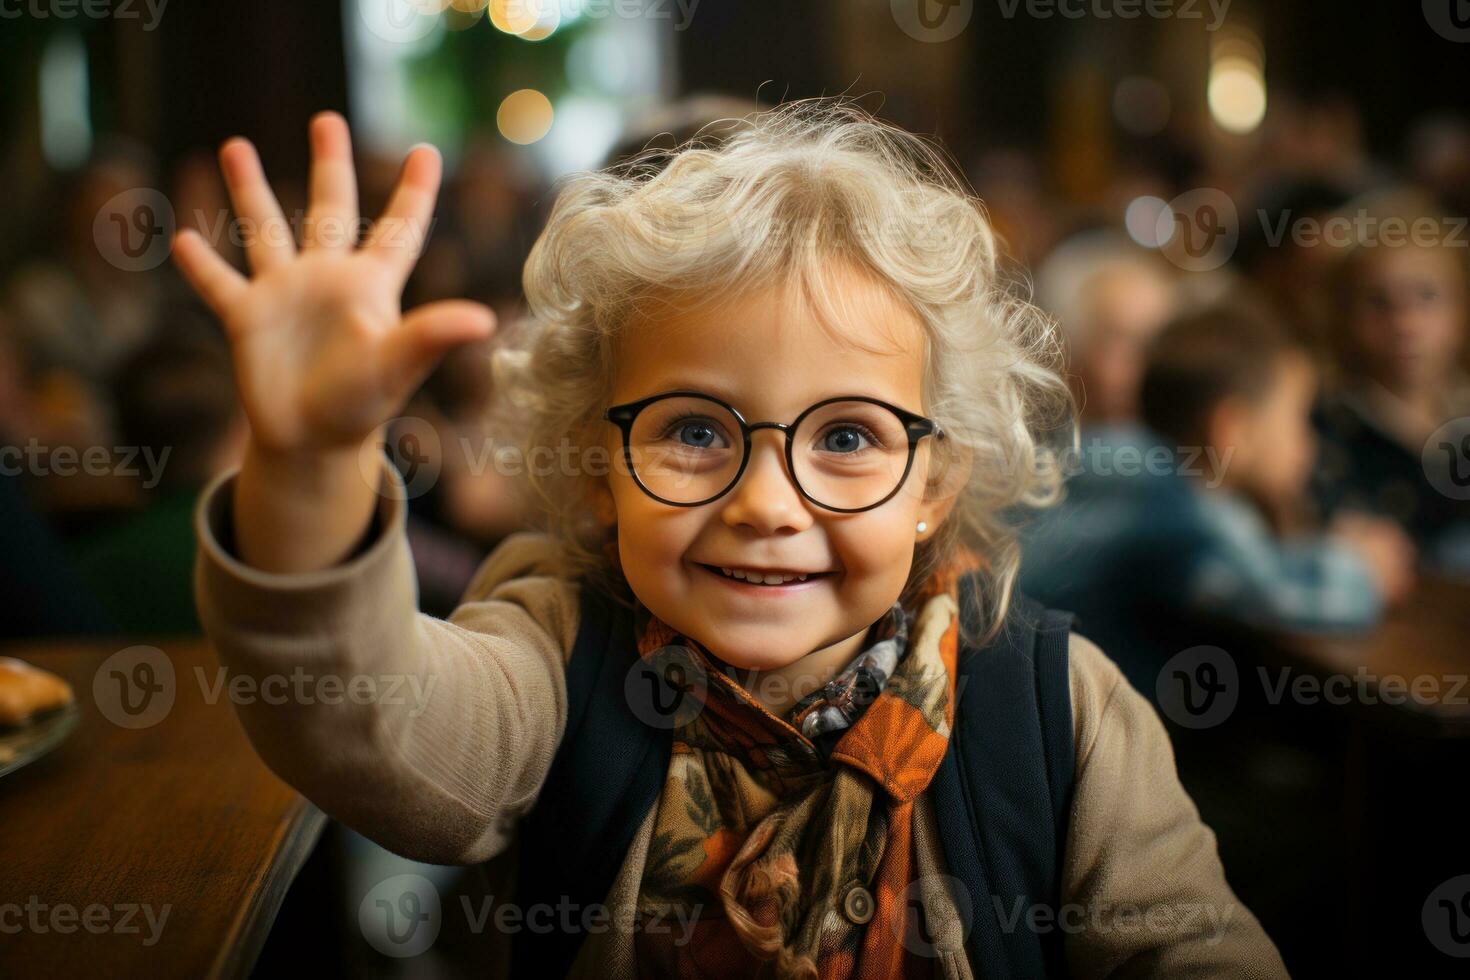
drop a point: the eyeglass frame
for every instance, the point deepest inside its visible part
(915, 425)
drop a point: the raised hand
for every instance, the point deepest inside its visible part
(323, 353)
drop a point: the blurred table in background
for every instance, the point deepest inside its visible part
(178, 815)
(1389, 711)
(1424, 642)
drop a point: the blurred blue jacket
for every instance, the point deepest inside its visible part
(1140, 544)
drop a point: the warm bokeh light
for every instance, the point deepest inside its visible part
(525, 116)
(516, 16)
(513, 16)
(1237, 95)
(548, 19)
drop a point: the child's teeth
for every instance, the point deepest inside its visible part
(773, 578)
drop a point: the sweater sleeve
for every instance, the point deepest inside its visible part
(1143, 889)
(428, 736)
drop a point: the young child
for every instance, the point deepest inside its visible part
(1237, 387)
(781, 403)
(1395, 421)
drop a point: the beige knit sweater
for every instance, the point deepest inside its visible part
(432, 736)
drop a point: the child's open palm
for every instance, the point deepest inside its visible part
(322, 350)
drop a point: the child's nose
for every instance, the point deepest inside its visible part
(766, 498)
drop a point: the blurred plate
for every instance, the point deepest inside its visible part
(29, 742)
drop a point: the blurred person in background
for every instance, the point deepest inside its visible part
(1395, 420)
(1189, 521)
(53, 415)
(1110, 297)
(1315, 134)
(1439, 160)
(176, 405)
(80, 308)
(77, 309)
(44, 595)
(1292, 271)
(1237, 387)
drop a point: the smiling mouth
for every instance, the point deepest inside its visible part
(772, 581)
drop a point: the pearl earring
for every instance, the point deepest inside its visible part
(923, 527)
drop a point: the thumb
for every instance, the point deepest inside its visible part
(428, 332)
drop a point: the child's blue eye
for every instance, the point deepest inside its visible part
(694, 431)
(846, 439)
(696, 434)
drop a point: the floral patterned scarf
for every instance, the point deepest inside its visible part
(792, 858)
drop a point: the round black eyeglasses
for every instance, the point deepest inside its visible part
(847, 454)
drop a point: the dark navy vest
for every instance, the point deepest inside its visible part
(1001, 797)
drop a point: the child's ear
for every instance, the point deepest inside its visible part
(933, 514)
(950, 465)
(603, 505)
(951, 461)
(1226, 423)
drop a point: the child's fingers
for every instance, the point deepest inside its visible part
(331, 220)
(429, 331)
(214, 279)
(399, 235)
(268, 239)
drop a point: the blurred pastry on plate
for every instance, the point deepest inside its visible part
(26, 691)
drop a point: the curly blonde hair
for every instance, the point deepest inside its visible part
(775, 199)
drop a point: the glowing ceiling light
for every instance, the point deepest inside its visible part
(1237, 95)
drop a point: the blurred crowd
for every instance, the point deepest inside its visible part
(117, 402)
(1267, 351)
(1270, 370)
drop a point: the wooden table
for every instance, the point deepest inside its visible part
(117, 823)
(1427, 640)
